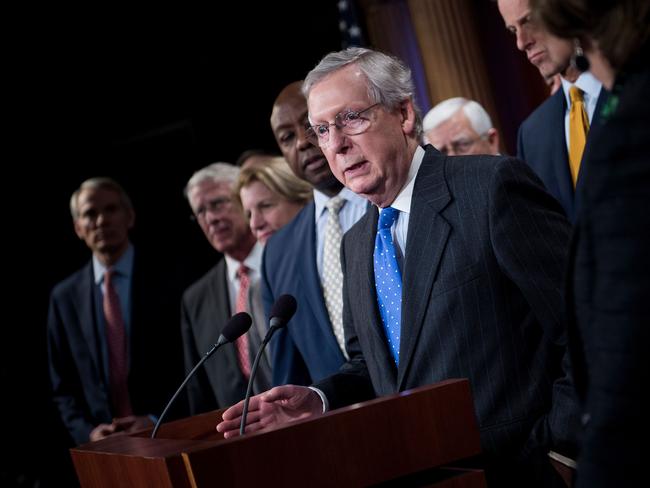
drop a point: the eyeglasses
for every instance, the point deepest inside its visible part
(460, 147)
(349, 123)
(215, 206)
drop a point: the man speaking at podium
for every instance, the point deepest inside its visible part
(455, 272)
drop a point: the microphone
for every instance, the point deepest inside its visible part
(236, 326)
(281, 312)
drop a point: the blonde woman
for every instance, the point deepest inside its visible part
(271, 196)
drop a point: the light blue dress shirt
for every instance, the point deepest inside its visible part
(590, 87)
(354, 208)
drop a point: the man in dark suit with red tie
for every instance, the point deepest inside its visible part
(230, 286)
(107, 375)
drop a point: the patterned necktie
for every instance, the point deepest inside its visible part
(578, 129)
(242, 306)
(388, 280)
(117, 349)
(332, 273)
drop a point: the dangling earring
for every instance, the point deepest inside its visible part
(578, 60)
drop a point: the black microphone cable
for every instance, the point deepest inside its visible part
(236, 326)
(281, 312)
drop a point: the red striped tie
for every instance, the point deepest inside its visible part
(117, 349)
(242, 306)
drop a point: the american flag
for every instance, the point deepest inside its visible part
(349, 25)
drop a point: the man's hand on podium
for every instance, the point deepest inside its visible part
(274, 407)
(132, 423)
(122, 425)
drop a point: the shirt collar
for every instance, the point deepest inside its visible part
(320, 199)
(586, 82)
(253, 262)
(123, 266)
(403, 200)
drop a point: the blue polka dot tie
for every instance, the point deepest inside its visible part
(388, 280)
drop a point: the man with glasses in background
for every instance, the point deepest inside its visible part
(459, 127)
(231, 286)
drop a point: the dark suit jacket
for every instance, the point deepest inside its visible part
(482, 299)
(205, 311)
(76, 365)
(541, 143)
(609, 293)
(306, 350)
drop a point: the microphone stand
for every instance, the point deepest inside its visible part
(249, 389)
(187, 378)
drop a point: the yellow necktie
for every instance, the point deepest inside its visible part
(578, 129)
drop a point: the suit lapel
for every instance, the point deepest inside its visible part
(427, 236)
(360, 274)
(255, 336)
(602, 99)
(363, 267)
(594, 128)
(222, 313)
(310, 278)
(559, 155)
(220, 291)
(89, 320)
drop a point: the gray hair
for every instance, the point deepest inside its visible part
(389, 79)
(475, 113)
(99, 182)
(217, 172)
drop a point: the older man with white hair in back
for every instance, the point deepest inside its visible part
(459, 127)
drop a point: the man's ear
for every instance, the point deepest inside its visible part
(78, 229)
(493, 140)
(407, 113)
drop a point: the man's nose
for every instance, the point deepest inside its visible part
(212, 215)
(102, 218)
(524, 39)
(338, 141)
(301, 140)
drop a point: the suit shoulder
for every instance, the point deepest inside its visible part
(288, 233)
(550, 110)
(71, 283)
(482, 164)
(292, 235)
(478, 173)
(201, 286)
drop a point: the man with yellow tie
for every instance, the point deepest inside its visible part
(552, 139)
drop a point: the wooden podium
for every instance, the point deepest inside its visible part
(406, 439)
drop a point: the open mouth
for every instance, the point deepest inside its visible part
(355, 168)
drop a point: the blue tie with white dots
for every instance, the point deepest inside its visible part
(388, 280)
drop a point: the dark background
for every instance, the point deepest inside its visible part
(146, 96)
